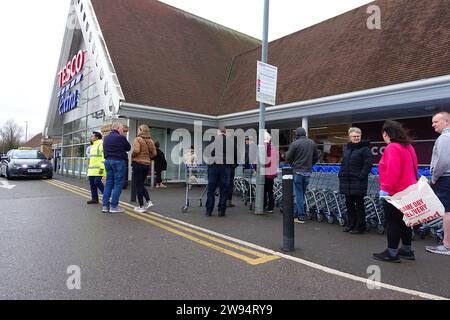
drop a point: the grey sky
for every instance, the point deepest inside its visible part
(32, 33)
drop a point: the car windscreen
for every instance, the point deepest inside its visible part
(27, 154)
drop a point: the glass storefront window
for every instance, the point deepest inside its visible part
(79, 137)
(79, 151)
(67, 152)
(79, 124)
(93, 122)
(67, 140)
(67, 128)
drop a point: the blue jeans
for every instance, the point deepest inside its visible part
(115, 171)
(300, 184)
(96, 183)
(218, 176)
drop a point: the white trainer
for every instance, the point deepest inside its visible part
(140, 209)
(148, 205)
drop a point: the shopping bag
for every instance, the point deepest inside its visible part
(418, 203)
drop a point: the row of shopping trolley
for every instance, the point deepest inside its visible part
(323, 202)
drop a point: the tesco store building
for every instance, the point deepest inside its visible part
(144, 62)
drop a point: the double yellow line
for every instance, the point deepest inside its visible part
(202, 238)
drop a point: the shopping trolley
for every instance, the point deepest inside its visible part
(249, 178)
(195, 175)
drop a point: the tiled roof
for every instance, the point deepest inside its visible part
(165, 57)
(342, 55)
(34, 142)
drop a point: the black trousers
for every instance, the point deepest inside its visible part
(158, 176)
(139, 175)
(396, 227)
(356, 212)
(268, 193)
(231, 187)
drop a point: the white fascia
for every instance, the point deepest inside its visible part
(421, 91)
(107, 81)
(416, 92)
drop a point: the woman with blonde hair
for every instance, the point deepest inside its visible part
(142, 152)
(353, 179)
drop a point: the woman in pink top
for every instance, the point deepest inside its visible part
(398, 170)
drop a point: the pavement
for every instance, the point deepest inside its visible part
(167, 254)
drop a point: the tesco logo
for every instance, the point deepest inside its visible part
(378, 151)
(72, 68)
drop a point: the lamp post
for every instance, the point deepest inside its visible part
(259, 201)
(26, 131)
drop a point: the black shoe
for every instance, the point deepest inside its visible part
(208, 214)
(347, 229)
(229, 204)
(222, 214)
(92, 201)
(408, 255)
(386, 256)
(355, 232)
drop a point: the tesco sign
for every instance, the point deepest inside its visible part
(72, 68)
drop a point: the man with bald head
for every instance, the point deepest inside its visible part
(115, 148)
(440, 175)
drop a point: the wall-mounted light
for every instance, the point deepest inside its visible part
(98, 114)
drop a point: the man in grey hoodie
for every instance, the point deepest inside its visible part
(302, 155)
(440, 175)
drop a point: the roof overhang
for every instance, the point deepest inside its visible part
(405, 100)
(417, 98)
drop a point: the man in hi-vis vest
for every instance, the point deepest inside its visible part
(96, 168)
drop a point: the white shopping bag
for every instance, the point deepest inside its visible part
(418, 203)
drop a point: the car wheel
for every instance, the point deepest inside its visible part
(50, 176)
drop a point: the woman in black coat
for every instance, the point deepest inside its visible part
(160, 166)
(353, 180)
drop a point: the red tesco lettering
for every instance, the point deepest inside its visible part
(72, 68)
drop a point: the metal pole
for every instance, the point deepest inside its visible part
(305, 124)
(26, 131)
(259, 200)
(133, 189)
(288, 210)
(152, 168)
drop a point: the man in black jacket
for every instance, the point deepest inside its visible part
(223, 157)
(115, 148)
(302, 155)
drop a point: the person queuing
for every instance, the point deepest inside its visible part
(353, 180)
(440, 176)
(234, 165)
(96, 167)
(219, 171)
(143, 151)
(302, 155)
(160, 166)
(270, 172)
(398, 169)
(115, 148)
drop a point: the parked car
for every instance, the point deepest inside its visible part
(24, 162)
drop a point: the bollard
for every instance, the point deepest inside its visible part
(288, 210)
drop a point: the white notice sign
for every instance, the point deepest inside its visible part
(266, 83)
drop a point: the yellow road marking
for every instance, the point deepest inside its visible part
(262, 258)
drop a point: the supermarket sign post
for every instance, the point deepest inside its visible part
(266, 83)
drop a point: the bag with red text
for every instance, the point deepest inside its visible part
(418, 203)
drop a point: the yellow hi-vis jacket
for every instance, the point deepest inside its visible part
(96, 160)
